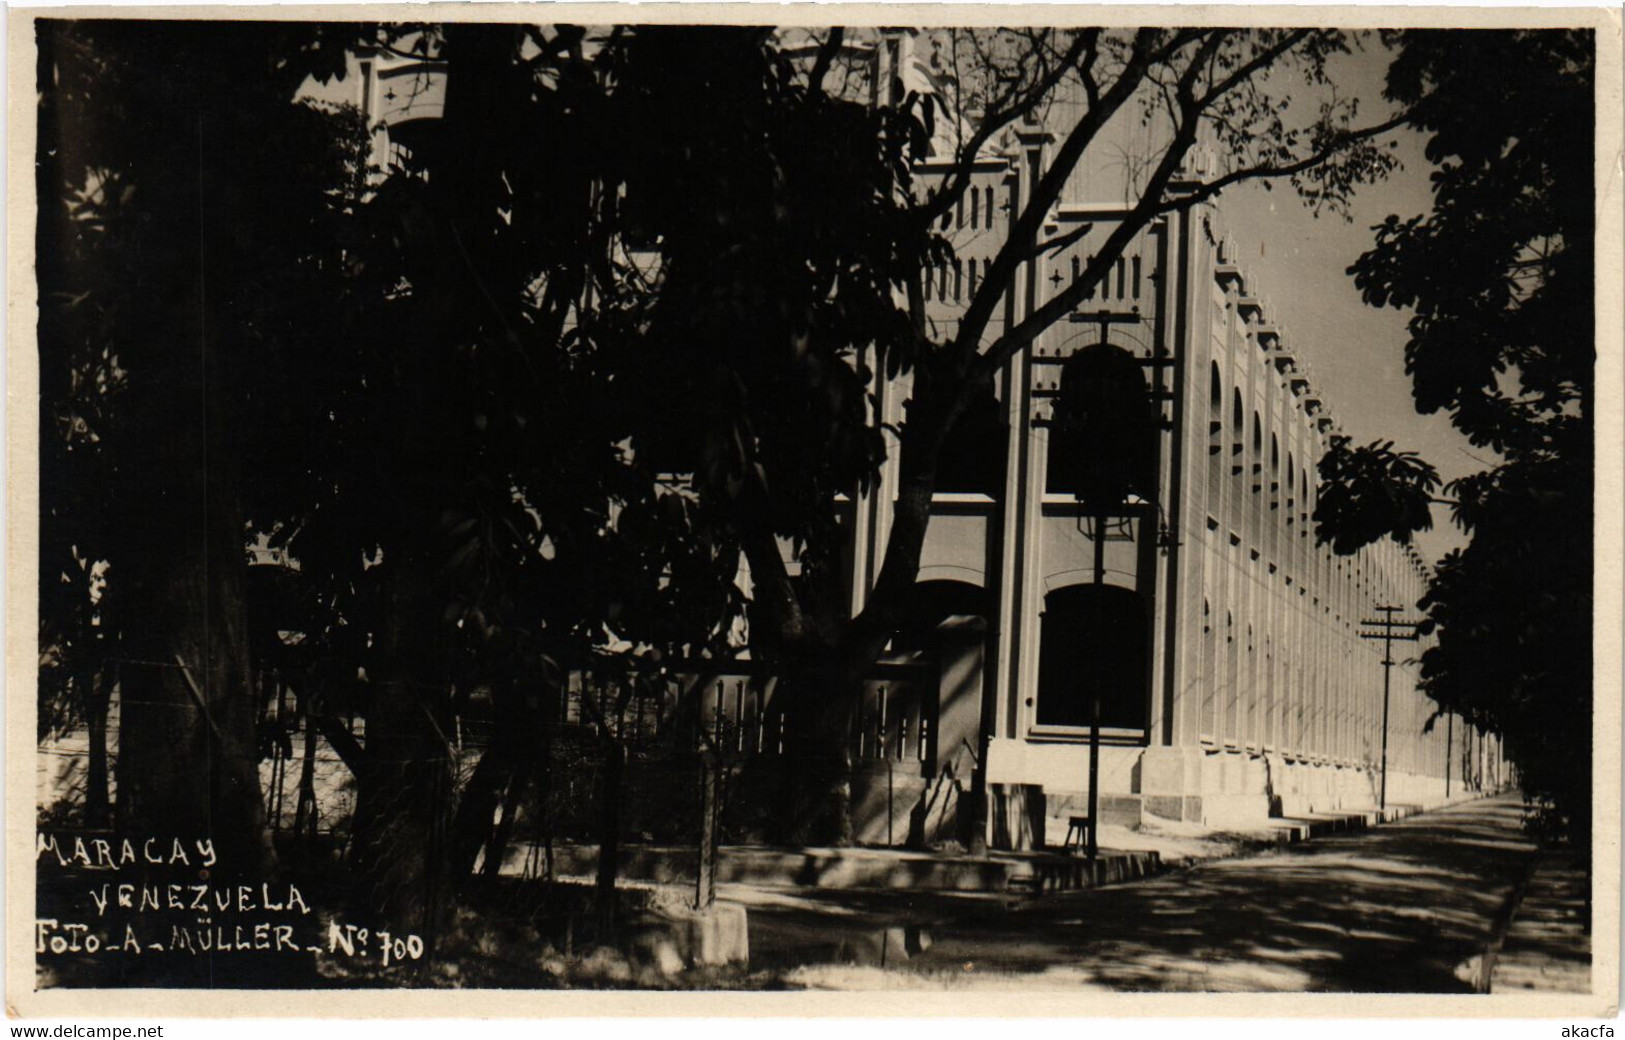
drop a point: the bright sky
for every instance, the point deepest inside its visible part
(1355, 352)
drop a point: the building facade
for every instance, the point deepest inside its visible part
(1232, 651)
(1226, 644)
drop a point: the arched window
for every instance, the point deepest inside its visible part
(1304, 504)
(1215, 440)
(1250, 735)
(973, 453)
(1238, 460)
(1269, 736)
(1210, 673)
(1232, 677)
(933, 602)
(1089, 634)
(1258, 448)
(1254, 520)
(1104, 433)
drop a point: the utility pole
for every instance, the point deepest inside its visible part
(1092, 847)
(1388, 630)
(1449, 718)
(1104, 403)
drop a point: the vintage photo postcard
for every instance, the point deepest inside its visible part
(813, 510)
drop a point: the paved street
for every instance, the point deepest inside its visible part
(1401, 908)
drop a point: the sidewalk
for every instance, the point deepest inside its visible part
(1390, 909)
(1181, 844)
(1126, 854)
(1547, 946)
(856, 868)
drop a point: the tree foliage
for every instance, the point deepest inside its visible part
(179, 214)
(1499, 277)
(528, 398)
(1371, 491)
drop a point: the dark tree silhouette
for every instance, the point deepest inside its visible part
(171, 233)
(1370, 491)
(784, 269)
(1499, 276)
(525, 403)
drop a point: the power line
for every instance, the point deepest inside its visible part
(1388, 630)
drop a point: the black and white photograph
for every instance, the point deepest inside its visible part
(952, 505)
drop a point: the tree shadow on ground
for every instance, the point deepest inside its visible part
(1395, 909)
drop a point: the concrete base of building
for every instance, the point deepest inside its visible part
(1015, 818)
(1239, 811)
(1123, 810)
(899, 807)
(1229, 787)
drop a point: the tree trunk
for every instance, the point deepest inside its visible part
(188, 760)
(824, 665)
(405, 844)
(404, 786)
(544, 805)
(497, 784)
(98, 814)
(396, 846)
(304, 814)
(827, 689)
(497, 846)
(609, 836)
(188, 764)
(474, 827)
(815, 804)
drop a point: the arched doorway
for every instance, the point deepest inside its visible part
(926, 717)
(935, 601)
(946, 633)
(973, 454)
(1092, 633)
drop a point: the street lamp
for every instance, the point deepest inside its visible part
(1107, 419)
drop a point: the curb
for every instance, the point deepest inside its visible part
(829, 868)
(1545, 945)
(1503, 924)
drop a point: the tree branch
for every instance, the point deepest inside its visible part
(1265, 171)
(1262, 60)
(1024, 229)
(1020, 103)
(1060, 242)
(1144, 211)
(826, 58)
